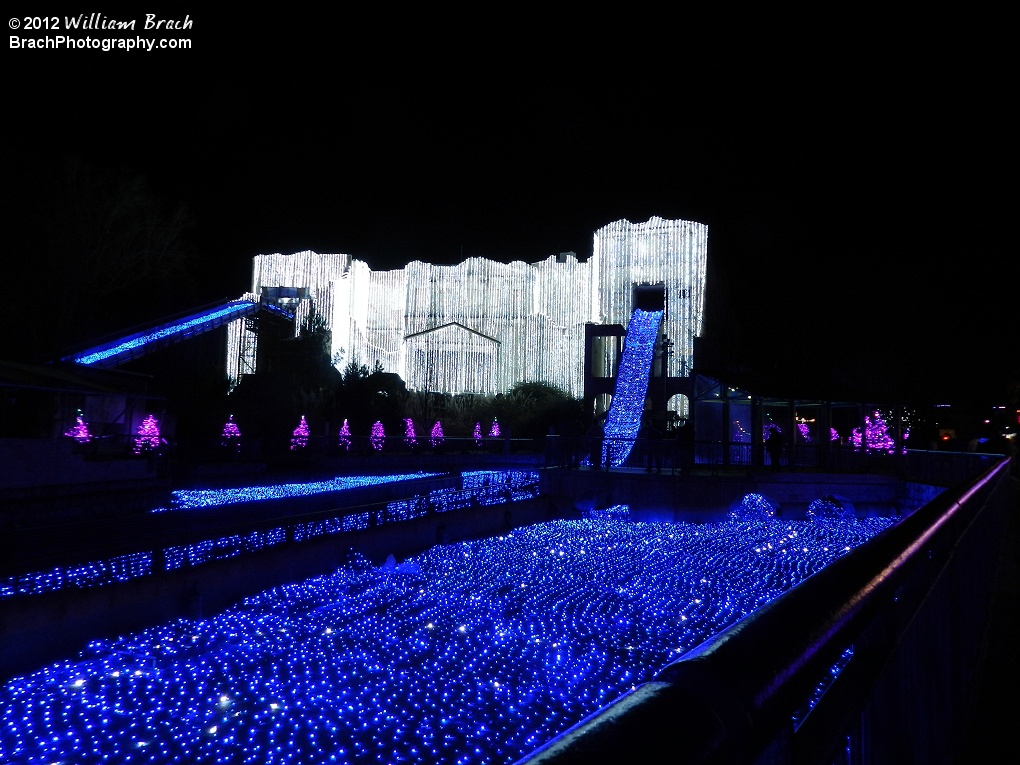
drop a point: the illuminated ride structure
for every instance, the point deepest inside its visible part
(623, 420)
(118, 351)
(481, 326)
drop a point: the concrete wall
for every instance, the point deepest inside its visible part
(30, 463)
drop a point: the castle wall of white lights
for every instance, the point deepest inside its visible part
(481, 326)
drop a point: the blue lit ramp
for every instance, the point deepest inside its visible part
(121, 350)
(623, 420)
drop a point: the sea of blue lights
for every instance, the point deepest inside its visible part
(475, 652)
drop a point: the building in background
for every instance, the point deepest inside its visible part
(481, 326)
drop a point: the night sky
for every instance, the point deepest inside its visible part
(856, 176)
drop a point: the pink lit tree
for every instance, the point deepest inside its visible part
(147, 437)
(494, 431)
(80, 431)
(410, 437)
(231, 429)
(436, 438)
(231, 433)
(344, 437)
(378, 436)
(299, 439)
(875, 436)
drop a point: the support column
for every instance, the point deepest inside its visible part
(757, 444)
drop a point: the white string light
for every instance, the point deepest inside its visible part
(481, 326)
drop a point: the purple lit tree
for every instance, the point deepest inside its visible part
(344, 437)
(148, 435)
(231, 433)
(410, 438)
(478, 434)
(436, 438)
(231, 429)
(80, 431)
(378, 437)
(299, 440)
(875, 436)
(494, 431)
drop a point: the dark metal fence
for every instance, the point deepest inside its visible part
(680, 457)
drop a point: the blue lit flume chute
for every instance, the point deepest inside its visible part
(624, 418)
(116, 352)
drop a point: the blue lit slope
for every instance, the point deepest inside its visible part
(124, 349)
(624, 418)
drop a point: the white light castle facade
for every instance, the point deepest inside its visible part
(482, 326)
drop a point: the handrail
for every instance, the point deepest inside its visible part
(940, 468)
(734, 697)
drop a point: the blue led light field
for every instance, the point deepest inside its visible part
(476, 652)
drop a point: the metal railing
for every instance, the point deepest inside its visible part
(908, 608)
(674, 456)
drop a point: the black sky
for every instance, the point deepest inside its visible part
(855, 175)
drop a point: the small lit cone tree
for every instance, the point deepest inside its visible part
(344, 437)
(378, 436)
(80, 431)
(494, 431)
(410, 438)
(856, 437)
(147, 437)
(478, 434)
(231, 434)
(875, 436)
(230, 429)
(437, 437)
(299, 439)
(804, 431)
